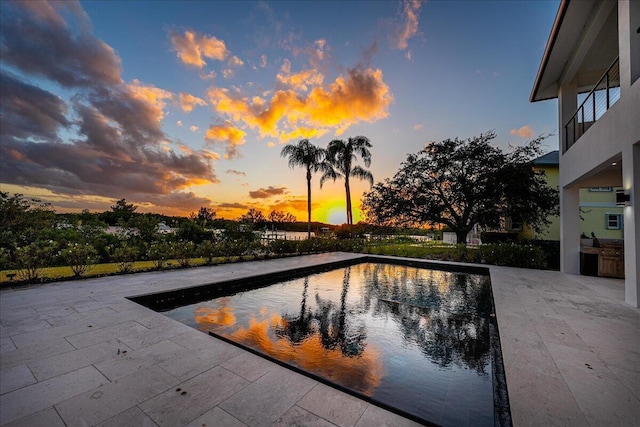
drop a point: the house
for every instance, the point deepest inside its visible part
(598, 211)
(591, 64)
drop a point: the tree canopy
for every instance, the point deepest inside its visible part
(460, 183)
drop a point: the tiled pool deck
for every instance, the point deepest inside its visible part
(78, 353)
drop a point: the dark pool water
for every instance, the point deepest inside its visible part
(411, 338)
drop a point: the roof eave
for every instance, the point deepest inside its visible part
(547, 51)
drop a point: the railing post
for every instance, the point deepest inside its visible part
(593, 94)
(607, 90)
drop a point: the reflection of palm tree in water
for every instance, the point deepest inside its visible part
(297, 328)
(333, 327)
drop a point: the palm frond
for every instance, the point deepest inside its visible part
(363, 174)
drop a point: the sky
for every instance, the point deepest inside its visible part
(180, 105)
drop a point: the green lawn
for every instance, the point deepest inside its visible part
(57, 273)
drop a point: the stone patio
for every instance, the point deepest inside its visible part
(78, 353)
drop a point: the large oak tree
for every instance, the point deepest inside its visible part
(460, 183)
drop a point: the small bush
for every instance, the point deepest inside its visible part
(160, 252)
(125, 256)
(80, 258)
(31, 259)
(183, 252)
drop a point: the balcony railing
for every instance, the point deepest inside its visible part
(604, 94)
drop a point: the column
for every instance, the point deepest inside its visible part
(631, 184)
(570, 230)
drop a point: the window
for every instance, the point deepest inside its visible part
(514, 225)
(601, 189)
(613, 221)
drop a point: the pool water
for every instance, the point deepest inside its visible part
(412, 339)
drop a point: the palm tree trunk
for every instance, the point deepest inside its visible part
(348, 191)
(308, 203)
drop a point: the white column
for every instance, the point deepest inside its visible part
(567, 106)
(570, 230)
(631, 184)
(628, 42)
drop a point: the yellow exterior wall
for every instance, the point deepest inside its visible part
(593, 209)
(552, 232)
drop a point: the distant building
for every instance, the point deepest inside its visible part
(591, 64)
(598, 211)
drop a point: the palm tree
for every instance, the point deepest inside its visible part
(339, 163)
(306, 155)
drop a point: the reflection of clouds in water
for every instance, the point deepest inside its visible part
(208, 317)
(363, 373)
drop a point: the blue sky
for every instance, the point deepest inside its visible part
(176, 105)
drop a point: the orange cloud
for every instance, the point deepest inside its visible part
(417, 127)
(523, 132)
(410, 24)
(152, 96)
(228, 134)
(298, 81)
(194, 128)
(359, 95)
(234, 61)
(193, 47)
(188, 102)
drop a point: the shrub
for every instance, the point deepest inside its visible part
(79, 257)
(31, 259)
(210, 249)
(283, 246)
(160, 252)
(125, 255)
(183, 251)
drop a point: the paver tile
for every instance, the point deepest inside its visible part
(132, 417)
(268, 398)
(188, 400)
(36, 397)
(216, 418)
(35, 352)
(333, 405)
(249, 365)
(296, 416)
(376, 416)
(45, 418)
(57, 365)
(101, 403)
(128, 361)
(16, 377)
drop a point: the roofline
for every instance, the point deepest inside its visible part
(547, 51)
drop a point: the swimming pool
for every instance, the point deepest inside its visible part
(419, 341)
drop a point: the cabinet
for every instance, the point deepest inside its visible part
(611, 262)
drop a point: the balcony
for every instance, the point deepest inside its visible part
(604, 94)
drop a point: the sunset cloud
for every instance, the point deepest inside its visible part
(358, 95)
(188, 102)
(230, 135)
(264, 193)
(409, 26)
(192, 47)
(523, 132)
(235, 172)
(417, 127)
(194, 128)
(114, 145)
